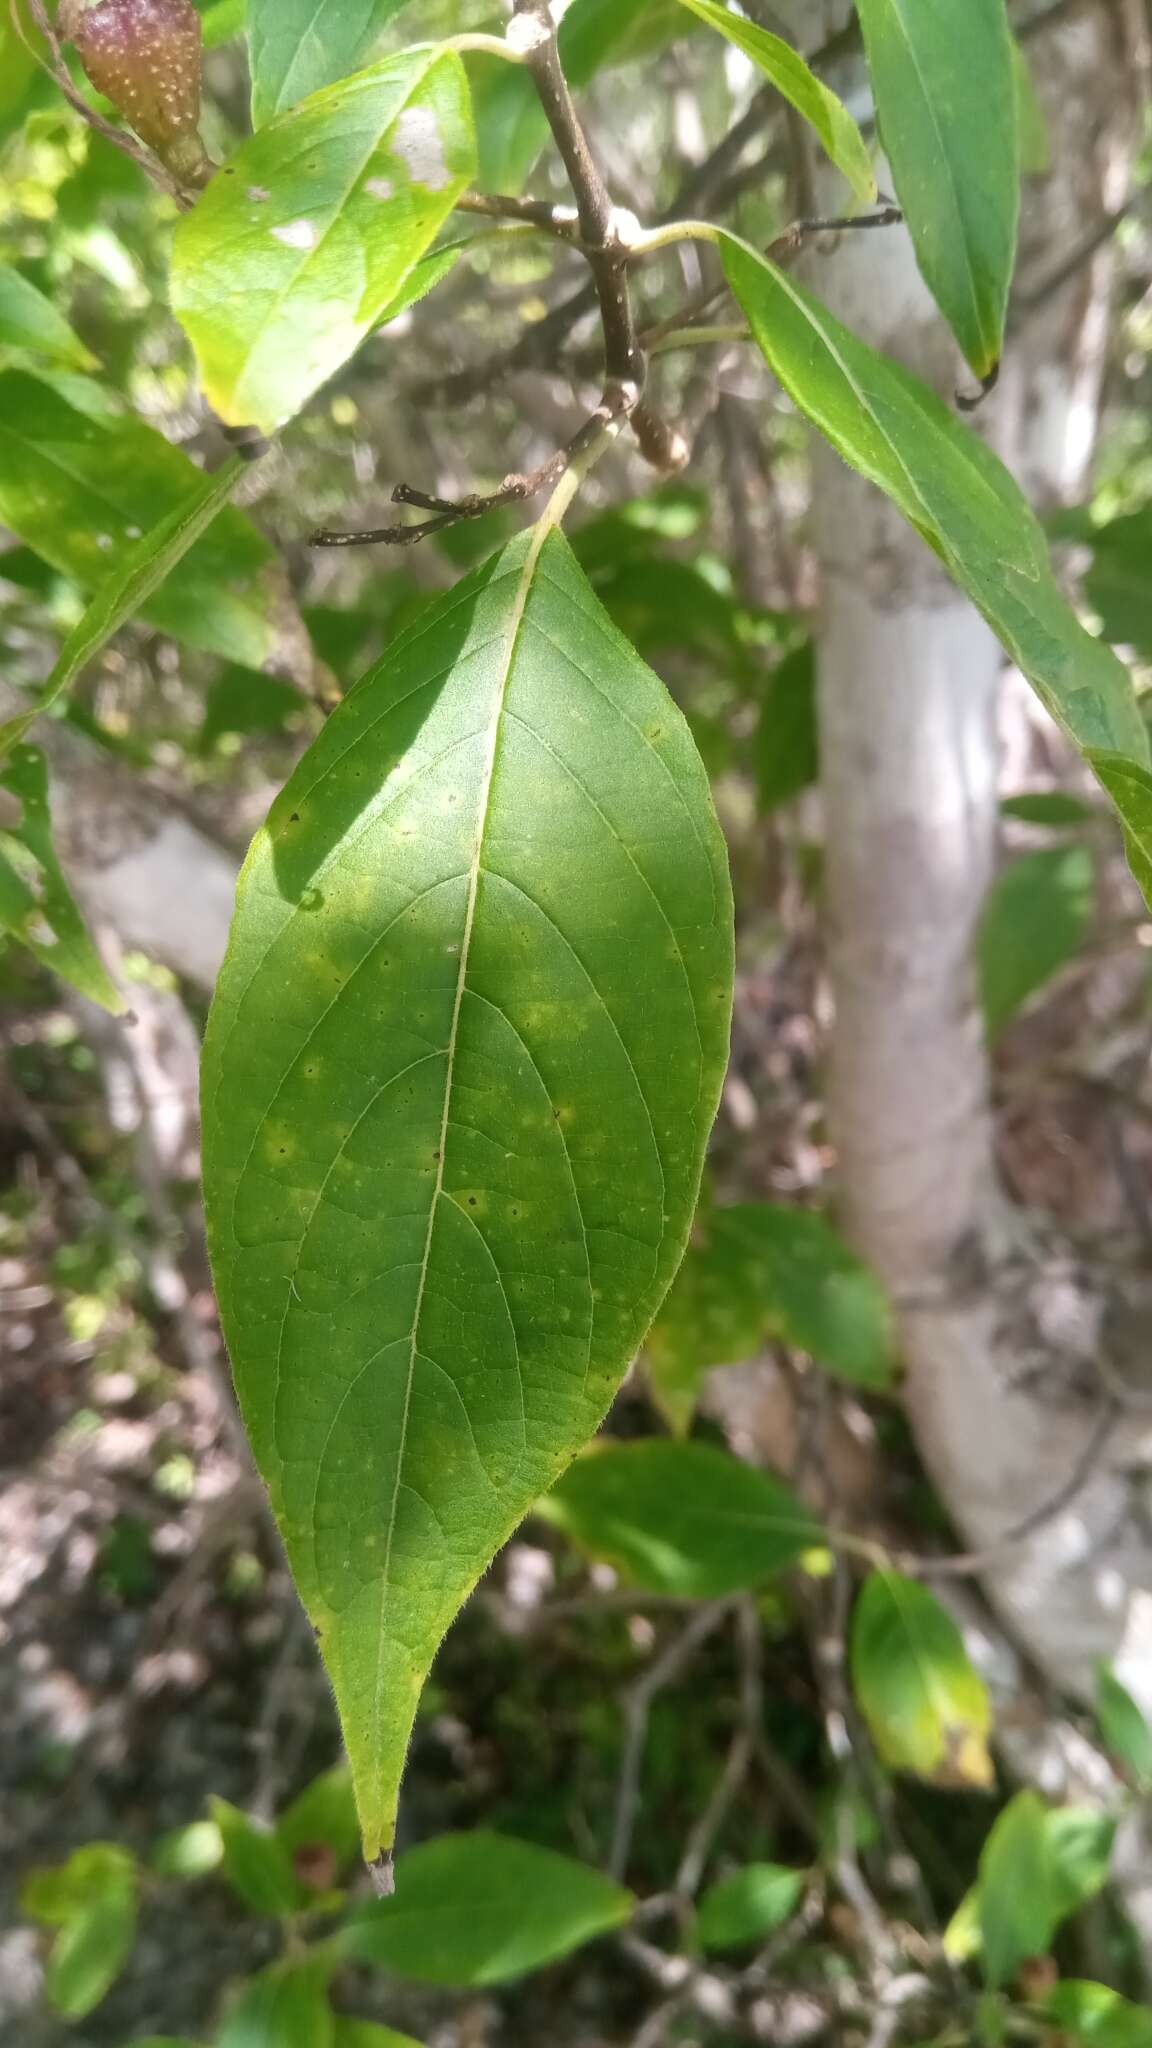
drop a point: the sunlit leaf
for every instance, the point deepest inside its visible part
(1035, 921)
(481, 1909)
(139, 571)
(680, 1518)
(306, 239)
(190, 1851)
(460, 1069)
(947, 104)
(1095, 2016)
(963, 502)
(800, 87)
(36, 905)
(927, 1709)
(297, 46)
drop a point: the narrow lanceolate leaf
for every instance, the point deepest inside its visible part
(800, 87)
(926, 1707)
(964, 503)
(36, 905)
(684, 1518)
(297, 46)
(947, 104)
(81, 482)
(301, 244)
(481, 1908)
(464, 1055)
(142, 569)
(30, 321)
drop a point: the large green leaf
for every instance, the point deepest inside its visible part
(37, 907)
(757, 1271)
(305, 240)
(81, 482)
(800, 87)
(482, 1909)
(297, 46)
(963, 502)
(926, 1707)
(140, 571)
(681, 1518)
(947, 104)
(1035, 921)
(464, 1055)
(30, 321)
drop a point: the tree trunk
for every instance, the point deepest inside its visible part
(998, 1340)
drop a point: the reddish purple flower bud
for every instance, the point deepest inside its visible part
(144, 56)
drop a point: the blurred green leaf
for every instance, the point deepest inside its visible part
(1076, 1854)
(92, 1901)
(801, 88)
(139, 571)
(757, 1270)
(30, 321)
(1117, 585)
(1055, 807)
(787, 751)
(481, 1909)
(1031, 120)
(926, 1708)
(1017, 1906)
(191, 1851)
(366, 2034)
(324, 1812)
(80, 482)
(681, 1518)
(1125, 1728)
(36, 905)
(297, 46)
(256, 1862)
(296, 251)
(243, 700)
(286, 2006)
(749, 1905)
(1095, 2016)
(947, 105)
(1035, 920)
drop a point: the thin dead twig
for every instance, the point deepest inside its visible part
(741, 1752)
(663, 1672)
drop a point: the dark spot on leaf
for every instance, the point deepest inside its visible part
(471, 1201)
(295, 818)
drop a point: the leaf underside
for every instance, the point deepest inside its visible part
(462, 1062)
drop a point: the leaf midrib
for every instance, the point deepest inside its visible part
(515, 627)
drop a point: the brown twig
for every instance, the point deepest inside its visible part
(638, 1707)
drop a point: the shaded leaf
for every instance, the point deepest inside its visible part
(459, 1073)
(1016, 1901)
(481, 1908)
(242, 700)
(36, 905)
(1117, 583)
(1125, 1727)
(947, 104)
(1035, 920)
(787, 752)
(82, 482)
(926, 1707)
(755, 1271)
(256, 1862)
(749, 1905)
(680, 1518)
(285, 2006)
(306, 240)
(1075, 1856)
(297, 46)
(30, 321)
(366, 2034)
(801, 88)
(324, 1812)
(1055, 807)
(963, 502)
(140, 570)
